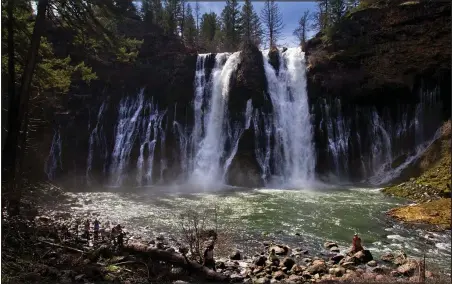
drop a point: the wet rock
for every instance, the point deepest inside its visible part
(235, 255)
(395, 273)
(363, 256)
(372, 263)
(306, 260)
(337, 258)
(408, 268)
(79, 277)
(279, 275)
(172, 250)
(180, 282)
(379, 277)
(288, 262)
(160, 238)
(329, 245)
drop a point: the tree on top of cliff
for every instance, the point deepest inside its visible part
(272, 19)
(250, 24)
(303, 27)
(231, 25)
(190, 32)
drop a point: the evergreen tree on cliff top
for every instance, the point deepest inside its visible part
(190, 27)
(152, 12)
(272, 20)
(250, 24)
(231, 25)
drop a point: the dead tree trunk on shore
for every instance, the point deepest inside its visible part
(176, 259)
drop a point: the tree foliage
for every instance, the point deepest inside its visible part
(271, 18)
(303, 27)
(250, 24)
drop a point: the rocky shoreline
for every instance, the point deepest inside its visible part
(72, 259)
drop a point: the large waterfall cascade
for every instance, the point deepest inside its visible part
(284, 139)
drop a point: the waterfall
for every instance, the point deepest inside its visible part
(153, 125)
(126, 132)
(207, 168)
(293, 154)
(54, 159)
(96, 139)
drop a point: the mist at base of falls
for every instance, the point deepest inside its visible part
(301, 143)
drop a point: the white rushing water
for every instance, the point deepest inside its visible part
(294, 157)
(96, 140)
(207, 164)
(54, 159)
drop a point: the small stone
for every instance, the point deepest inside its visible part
(260, 260)
(408, 268)
(372, 263)
(262, 281)
(288, 262)
(349, 265)
(329, 244)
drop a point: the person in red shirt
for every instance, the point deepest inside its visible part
(356, 244)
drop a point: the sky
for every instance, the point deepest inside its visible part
(291, 12)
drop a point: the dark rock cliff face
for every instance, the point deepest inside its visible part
(378, 56)
(381, 61)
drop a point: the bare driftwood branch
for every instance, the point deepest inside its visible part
(175, 259)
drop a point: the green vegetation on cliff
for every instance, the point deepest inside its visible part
(429, 185)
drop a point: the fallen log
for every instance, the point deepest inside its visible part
(175, 259)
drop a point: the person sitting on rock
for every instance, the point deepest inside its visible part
(209, 261)
(273, 258)
(356, 244)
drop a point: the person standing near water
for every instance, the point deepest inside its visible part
(96, 229)
(209, 262)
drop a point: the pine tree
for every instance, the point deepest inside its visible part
(231, 25)
(250, 24)
(152, 12)
(171, 16)
(303, 26)
(337, 10)
(209, 30)
(190, 27)
(272, 20)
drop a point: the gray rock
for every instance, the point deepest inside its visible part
(278, 250)
(363, 256)
(317, 266)
(348, 265)
(279, 275)
(329, 244)
(236, 277)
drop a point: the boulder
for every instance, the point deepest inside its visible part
(260, 260)
(236, 278)
(348, 265)
(297, 269)
(288, 262)
(235, 255)
(363, 256)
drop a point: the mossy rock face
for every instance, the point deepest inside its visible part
(436, 213)
(434, 172)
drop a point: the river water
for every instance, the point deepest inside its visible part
(299, 218)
